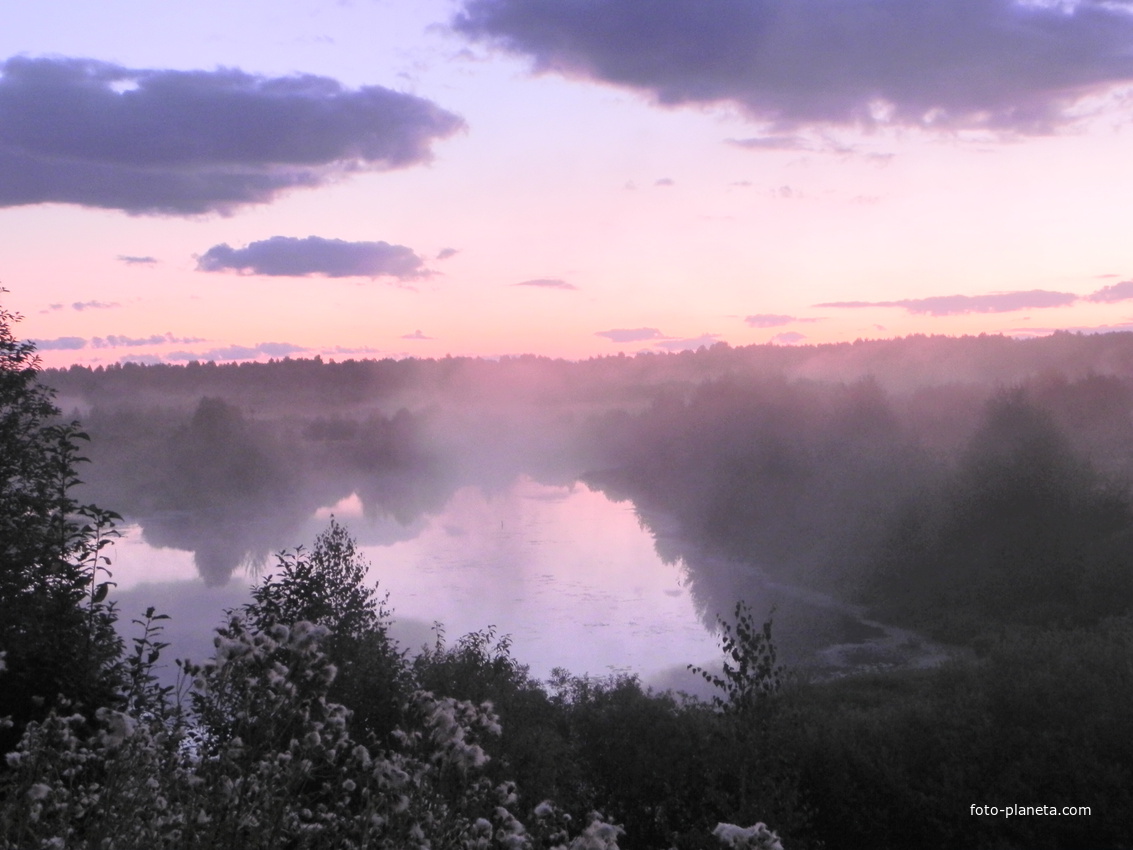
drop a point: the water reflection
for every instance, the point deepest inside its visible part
(579, 581)
(570, 575)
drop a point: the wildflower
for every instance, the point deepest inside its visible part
(757, 837)
(38, 791)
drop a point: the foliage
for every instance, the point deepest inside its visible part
(328, 586)
(56, 627)
(750, 675)
(265, 761)
(1022, 531)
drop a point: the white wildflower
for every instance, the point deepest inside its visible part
(757, 837)
(38, 791)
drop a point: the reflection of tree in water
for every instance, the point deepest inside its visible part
(221, 542)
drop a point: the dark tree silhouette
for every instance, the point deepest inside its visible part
(56, 631)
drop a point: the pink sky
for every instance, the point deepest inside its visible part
(632, 176)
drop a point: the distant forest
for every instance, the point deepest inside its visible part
(955, 484)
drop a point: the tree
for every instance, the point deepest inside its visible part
(56, 628)
(327, 586)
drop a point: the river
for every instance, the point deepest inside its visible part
(572, 577)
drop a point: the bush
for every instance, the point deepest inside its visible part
(56, 628)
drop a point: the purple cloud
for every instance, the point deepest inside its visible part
(239, 352)
(771, 143)
(146, 141)
(771, 320)
(136, 261)
(547, 283)
(62, 343)
(1116, 292)
(791, 63)
(951, 305)
(292, 257)
(631, 334)
(415, 335)
(119, 341)
(94, 305)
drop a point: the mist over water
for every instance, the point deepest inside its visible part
(605, 513)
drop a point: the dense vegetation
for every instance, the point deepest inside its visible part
(310, 727)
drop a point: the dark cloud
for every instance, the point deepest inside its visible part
(94, 305)
(1116, 292)
(951, 305)
(547, 283)
(293, 257)
(938, 63)
(136, 261)
(689, 344)
(239, 352)
(770, 320)
(415, 335)
(187, 142)
(62, 343)
(631, 334)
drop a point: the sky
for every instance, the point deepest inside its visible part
(569, 178)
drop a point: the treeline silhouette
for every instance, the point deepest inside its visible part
(953, 484)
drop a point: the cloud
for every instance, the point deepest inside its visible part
(997, 64)
(136, 261)
(771, 143)
(62, 343)
(1116, 292)
(239, 352)
(788, 338)
(146, 141)
(74, 343)
(445, 253)
(664, 181)
(94, 305)
(547, 283)
(415, 335)
(772, 320)
(341, 349)
(951, 305)
(688, 344)
(293, 257)
(117, 341)
(630, 334)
